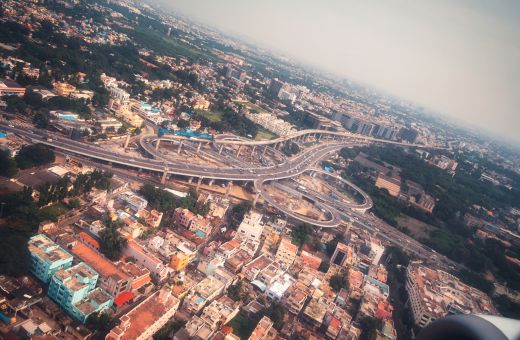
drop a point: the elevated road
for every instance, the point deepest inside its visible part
(303, 135)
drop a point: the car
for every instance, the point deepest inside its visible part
(131, 160)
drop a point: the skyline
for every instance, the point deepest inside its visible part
(466, 70)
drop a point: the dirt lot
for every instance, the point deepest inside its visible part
(417, 228)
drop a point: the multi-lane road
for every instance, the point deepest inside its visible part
(292, 167)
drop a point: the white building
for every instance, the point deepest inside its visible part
(251, 227)
(119, 94)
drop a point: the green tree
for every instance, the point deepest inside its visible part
(236, 214)
(234, 291)
(34, 155)
(276, 313)
(338, 281)
(302, 234)
(99, 321)
(14, 253)
(324, 266)
(112, 244)
(41, 120)
(15, 104)
(183, 124)
(74, 203)
(7, 165)
(369, 327)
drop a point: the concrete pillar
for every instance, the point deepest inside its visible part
(253, 150)
(190, 180)
(164, 175)
(211, 181)
(198, 184)
(238, 151)
(198, 147)
(157, 144)
(265, 149)
(127, 141)
(220, 149)
(319, 136)
(228, 188)
(180, 148)
(257, 195)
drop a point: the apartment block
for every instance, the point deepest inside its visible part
(47, 257)
(74, 289)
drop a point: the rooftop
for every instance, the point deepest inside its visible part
(46, 249)
(144, 315)
(98, 262)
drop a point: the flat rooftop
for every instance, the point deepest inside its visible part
(98, 262)
(144, 315)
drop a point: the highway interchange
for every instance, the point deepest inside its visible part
(307, 160)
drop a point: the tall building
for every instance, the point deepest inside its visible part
(274, 87)
(74, 289)
(47, 257)
(434, 294)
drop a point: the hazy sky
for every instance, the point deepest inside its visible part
(461, 58)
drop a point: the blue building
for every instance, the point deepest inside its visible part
(47, 257)
(74, 289)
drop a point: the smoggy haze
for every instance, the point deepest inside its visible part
(460, 58)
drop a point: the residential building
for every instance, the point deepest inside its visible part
(140, 276)
(203, 293)
(376, 287)
(134, 202)
(434, 294)
(187, 219)
(146, 318)
(74, 289)
(146, 259)
(261, 331)
(309, 260)
(295, 297)
(314, 313)
(47, 257)
(111, 278)
(286, 253)
(219, 312)
(279, 286)
(152, 218)
(183, 256)
(9, 87)
(251, 227)
(253, 268)
(236, 261)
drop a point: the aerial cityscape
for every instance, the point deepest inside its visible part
(161, 178)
